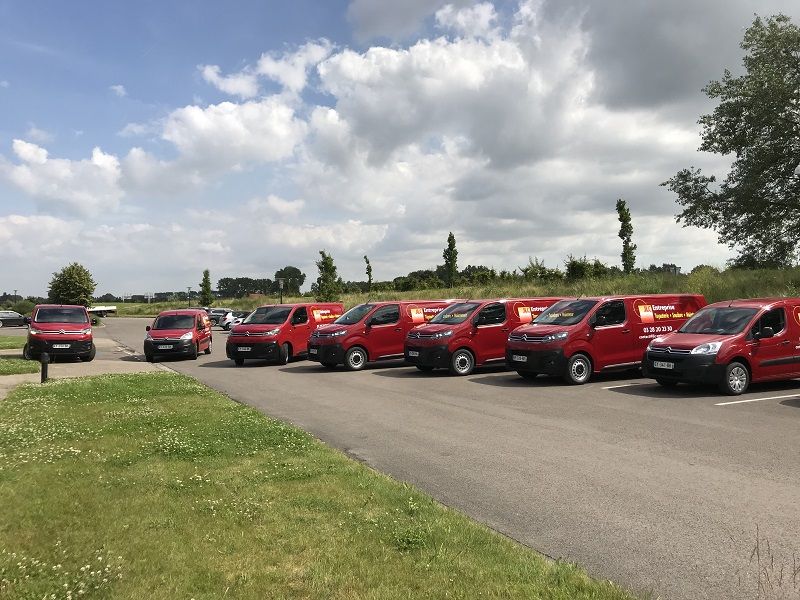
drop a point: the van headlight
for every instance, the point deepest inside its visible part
(554, 337)
(34, 331)
(86, 331)
(338, 333)
(657, 340)
(187, 335)
(275, 331)
(148, 337)
(442, 334)
(708, 349)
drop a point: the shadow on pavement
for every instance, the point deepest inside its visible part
(653, 390)
(315, 367)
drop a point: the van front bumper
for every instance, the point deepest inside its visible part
(687, 368)
(158, 347)
(547, 362)
(267, 350)
(326, 353)
(36, 346)
(427, 356)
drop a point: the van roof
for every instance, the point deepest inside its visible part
(181, 311)
(289, 305)
(60, 306)
(635, 297)
(752, 302)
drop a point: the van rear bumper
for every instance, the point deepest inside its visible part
(547, 362)
(692, 368)
(428, 356)
(326, 353)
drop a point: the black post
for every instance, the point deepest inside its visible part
(45, 360)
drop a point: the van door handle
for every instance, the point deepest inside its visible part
(505, 328)
(398, 329)
(785, 342)
(626, 331)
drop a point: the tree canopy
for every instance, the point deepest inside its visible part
(72, 285)
(756, 208)
(328, 286)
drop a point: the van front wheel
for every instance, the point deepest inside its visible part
(355, 359)
(579, 369)
(735, 380)
(462, 362)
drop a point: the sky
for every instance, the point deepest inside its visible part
(151, 140)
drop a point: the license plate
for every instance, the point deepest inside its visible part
(60, 346)
(519, 358)
(663, 365)
(165, 347)
(244, 348)
(413, 353)
(312, 350)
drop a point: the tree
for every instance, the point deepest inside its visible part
(626, 233)
(329, 285)
(756, 208)
(292, 277)
(72, 285)
(369, 274)
(206, 297)
(450, 256)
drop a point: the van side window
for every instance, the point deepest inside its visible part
(611, 313)
(776, 318)
(386, 315)
(492, 314)
(300, 316)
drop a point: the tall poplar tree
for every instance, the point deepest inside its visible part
(626, 233)
(450, 256)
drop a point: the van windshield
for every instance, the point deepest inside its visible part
(721, 320)
(457, 313)
(354, 315)
(174, 322)
(61, 315)
(268, 315)
(566, 312)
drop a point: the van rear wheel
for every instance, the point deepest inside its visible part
(579, 369)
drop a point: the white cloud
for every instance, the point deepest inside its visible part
(291, 69)
(392, 19)
(78, 187)
(473, 21)
(40, 136)
(244, 84)
(119, 90)
(276, 206)
(4, 84)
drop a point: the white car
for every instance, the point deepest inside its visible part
(232, 318)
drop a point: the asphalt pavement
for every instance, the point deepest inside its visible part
(659, 490)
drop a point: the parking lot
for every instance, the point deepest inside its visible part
(659, 489)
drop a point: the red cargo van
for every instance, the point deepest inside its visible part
(579, 336)
(730, 344)
(370, 332)
(184, 332)
(470, 333)
(277, 332)
(60, 330)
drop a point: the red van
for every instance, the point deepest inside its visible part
(60, 330)
(730, 344)
(278, 332)
(470, 333)
(580, 336)
(370, 332)
(178, 332)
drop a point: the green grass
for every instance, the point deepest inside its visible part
(153, 486)
(12, 342)
(16, 366)
(715, 285)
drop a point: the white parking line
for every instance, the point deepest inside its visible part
(756, 399)
(622, 385)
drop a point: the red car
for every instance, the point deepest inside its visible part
(178, 333)
(60, 330)
(370, 332)
(278, 332)
(580, 336)
(730, 344)
(470, 333)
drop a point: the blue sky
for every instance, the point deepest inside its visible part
(151, 140)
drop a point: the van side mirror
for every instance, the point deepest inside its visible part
(147, 328)
(477, 320)
(766, 332)
(95, 321)
(27, 320)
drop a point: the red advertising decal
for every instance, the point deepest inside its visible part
(524, 313)
(645, 311)
(796, 312)
(416, 313)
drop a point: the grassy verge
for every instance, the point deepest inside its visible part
(153, 486)
(12, 342)
(16, 366)
(715, 285)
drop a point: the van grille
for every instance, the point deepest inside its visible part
(524, 337)
(321, 334)
(416, 335)
(668, 350)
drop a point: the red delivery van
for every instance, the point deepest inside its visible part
(278, 332)
(185, 332)
(730, 344)
(370, 332)
(60, 330)
(470, 333)
(580, 336)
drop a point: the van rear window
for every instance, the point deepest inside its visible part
(61, 315)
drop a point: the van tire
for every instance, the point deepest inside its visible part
(579, 369)
(329, 365)
(355, 358)
(238, 361)
(90, 357)
(667, 383)
(149, 358)
(208, 350)
(26, 352)
(462, 362)
(736, 379)
(284, 353)
(195, 351)
(529, 375)
(426, 368)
